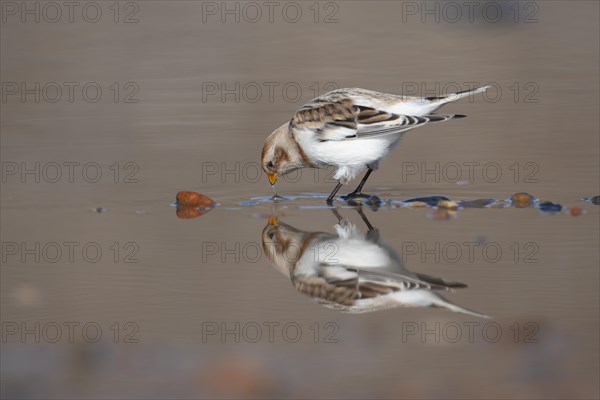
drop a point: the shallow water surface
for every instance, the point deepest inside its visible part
(294, 298)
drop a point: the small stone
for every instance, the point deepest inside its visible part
(479, 203)
(193, 199)
(373, 201)
(448, 204)
(417, 204)
(522, 200)
(576, 211)
(548, 206)
(429, 200)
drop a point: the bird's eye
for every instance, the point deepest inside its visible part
(270, 164)
(271, 235)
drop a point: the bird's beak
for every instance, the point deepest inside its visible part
(273, 221)
(272, 179)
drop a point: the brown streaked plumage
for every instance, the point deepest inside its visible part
(361, 274)
(350, 129)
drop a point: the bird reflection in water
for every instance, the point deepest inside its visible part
(352, 271)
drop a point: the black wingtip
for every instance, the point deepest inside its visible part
(459, 116)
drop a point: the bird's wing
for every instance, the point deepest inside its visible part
(339, 283)
(338, 118)
(341, 287)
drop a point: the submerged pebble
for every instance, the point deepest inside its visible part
(500, 204)
(522, 200)
(429, 200)
(576, 211)
(479, 203)
(448, 204)
(277, 197)
(548, 206)
(417, 204)
(594, 200)
(374, 202)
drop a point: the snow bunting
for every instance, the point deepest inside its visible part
(350, 129)
(351, 271)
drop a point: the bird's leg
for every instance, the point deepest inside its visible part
(332, 195)
(336, 213)
(358, 191)
(372, 233)
(365, 219)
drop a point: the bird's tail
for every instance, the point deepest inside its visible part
(441, 100)
(428, 298)
(442, 302)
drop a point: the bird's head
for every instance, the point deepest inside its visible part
(285, 245)
(281, 154)
(279, 242)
